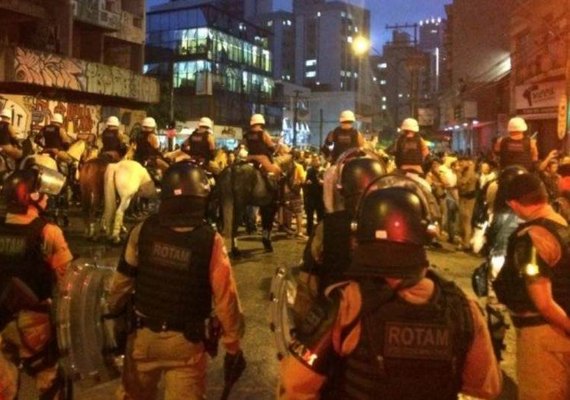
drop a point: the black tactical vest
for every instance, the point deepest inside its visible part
(409, 351)
(515, 152)
(255, 144)
(409, 150)
(111, 141)
(21, 256)
(173, 275)
(144, 149)
(52, 137)
(199, 146)
(343, 139)
(5, 137)
(510, 285)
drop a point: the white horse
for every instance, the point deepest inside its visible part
(125, 179)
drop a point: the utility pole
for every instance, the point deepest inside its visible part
(295, 116)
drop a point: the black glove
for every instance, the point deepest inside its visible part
(234, 365)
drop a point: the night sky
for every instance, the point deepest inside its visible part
(382, 12)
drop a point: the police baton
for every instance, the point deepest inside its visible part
(234, 365)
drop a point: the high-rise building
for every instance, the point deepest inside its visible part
(215, 63)
(80, 58)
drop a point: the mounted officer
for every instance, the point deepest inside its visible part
(8, 141)
(201, 146)
(344, 137)
(113, 144)
(395, 330)
(34, 257)
(260, 146)
(517, 148)
(178, 267)
(410, 150)
(148, 147)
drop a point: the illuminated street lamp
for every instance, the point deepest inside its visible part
(360, 45)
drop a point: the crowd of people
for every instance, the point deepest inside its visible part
(372, 320)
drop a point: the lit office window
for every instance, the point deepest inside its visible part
(383, 65)
(318, 13)
(310, 74)
(270, 23)
(311, 63)
(349, 39)
(383, 82)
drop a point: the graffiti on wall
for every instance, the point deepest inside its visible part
(30, 113)
(54, 71)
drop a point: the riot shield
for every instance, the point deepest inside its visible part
(282, 296)
(86, 340)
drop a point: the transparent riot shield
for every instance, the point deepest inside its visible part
(86, 339)
(284, 316)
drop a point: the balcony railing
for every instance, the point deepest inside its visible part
(90, 12)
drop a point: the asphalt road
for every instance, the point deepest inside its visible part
(253, 274)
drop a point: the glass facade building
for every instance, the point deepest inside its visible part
(208, 52)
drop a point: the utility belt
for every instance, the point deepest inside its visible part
(528, 321)
(207, 332)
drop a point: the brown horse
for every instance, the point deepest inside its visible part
(91, 183)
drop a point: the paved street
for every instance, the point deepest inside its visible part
(253, 274)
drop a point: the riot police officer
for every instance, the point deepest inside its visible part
(410, 150)
(34, 256)
(55, 139)
(113, 144)
(343, 137)
(534, 284)
(178, 267)
(8, 141)
(395, 330)
(259, 145)
(201, 146)
(517, 148)
(148, 146)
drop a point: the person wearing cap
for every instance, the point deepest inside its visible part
(410, 149)
(393, 329)
(516, 148)
(8, 140)
(180, 273)
(343, 137)
(113, 142)
(260, 146)
(34, 257)
(534, 284)
(148, 147)
(201, 146)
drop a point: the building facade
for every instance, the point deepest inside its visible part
(80, 58)
(214, 62)
(474, 103)
(539, 56)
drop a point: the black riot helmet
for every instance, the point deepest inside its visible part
(357, 168)
(392, 227)
(505, 178)
(184, 195)
(24, 188)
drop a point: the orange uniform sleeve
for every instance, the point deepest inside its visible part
(56, 250)
(482, 375)
(225, 296)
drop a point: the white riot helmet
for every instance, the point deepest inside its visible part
(411, 125)
(517, 124)
(257, 119)
(206, 123)
(57, 119)
(346, 116)
(149, 123)
(6, 113)
(112, 122)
